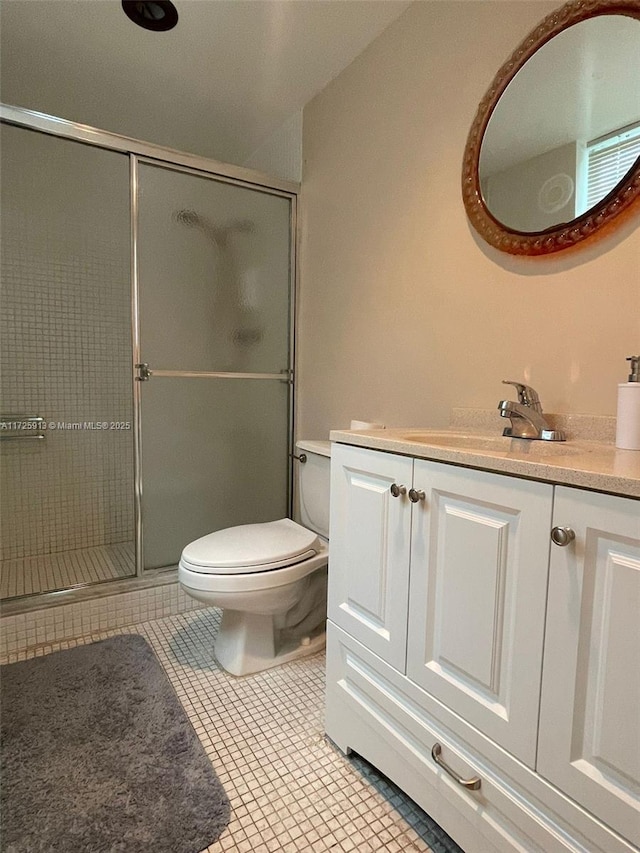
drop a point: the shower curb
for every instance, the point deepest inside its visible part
(39, 627)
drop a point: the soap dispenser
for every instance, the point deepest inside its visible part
(628, 422)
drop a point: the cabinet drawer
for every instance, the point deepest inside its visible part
(381, 715)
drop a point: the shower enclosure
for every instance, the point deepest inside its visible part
(146, 356)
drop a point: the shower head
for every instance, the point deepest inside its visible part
(244, 225)
(189, 218)
(218, 233)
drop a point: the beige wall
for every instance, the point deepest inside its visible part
(403, 311)
(281, 153)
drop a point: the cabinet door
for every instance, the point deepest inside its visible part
(479, 559)
(589, 740)
(369, 549)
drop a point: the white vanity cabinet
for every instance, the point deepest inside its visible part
(458, 632)
(589, 744)
(479, 553)
(370, 548)
(474, 612)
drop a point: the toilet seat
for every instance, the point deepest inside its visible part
(253, 581)
(251, 548)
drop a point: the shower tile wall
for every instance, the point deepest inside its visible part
(65, 344)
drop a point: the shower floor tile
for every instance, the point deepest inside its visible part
(49, 572)
(290, 788)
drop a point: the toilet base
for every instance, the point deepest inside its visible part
(250, 642)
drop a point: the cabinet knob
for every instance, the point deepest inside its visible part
(416, 495)
(562, 536)
(397, 490)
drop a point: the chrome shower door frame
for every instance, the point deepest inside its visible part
(141, 371)
(143, 152)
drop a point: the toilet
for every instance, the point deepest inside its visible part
(269, 579)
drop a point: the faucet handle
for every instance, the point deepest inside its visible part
(527, 395)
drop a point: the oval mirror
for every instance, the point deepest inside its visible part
(553, 154)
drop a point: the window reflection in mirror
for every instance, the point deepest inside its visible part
(603, 163)
(566, 130)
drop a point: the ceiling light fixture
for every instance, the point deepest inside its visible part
(156, 15)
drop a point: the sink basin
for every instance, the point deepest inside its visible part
(492, 443)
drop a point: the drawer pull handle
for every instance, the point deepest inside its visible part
(472, 784)
(397, 490)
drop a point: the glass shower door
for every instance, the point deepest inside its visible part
(66, 442)
(214, 295)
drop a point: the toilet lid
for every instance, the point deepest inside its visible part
(253, 547)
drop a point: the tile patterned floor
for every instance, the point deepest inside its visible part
(65, 569)
(290, 789)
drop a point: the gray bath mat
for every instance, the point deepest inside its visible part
(98, 756)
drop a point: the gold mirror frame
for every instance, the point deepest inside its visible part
(567, 234)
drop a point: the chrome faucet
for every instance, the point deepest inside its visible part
(527, 420)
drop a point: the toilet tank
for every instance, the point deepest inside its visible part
(314, 477)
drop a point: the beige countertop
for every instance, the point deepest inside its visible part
(596, 465)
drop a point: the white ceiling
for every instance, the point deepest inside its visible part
(219, 84)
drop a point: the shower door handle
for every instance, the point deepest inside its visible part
(144, 373)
